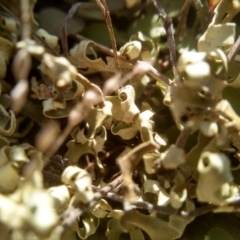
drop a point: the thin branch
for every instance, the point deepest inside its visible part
(171, 211)
(104, 9)
(201, 12)
(76, 116)
(183, 137)
(70, 216)
(234, 51)
(101, 47)
(113, 186)
(69, 16)
(59, 141)
(139, 67)
(198, 211)
(25, 17)
(235, 205)
(9, 12)
(74, 212)
(138, 204)
(182, 20)
(167, 22)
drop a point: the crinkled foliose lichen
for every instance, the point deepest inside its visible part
(96, 143)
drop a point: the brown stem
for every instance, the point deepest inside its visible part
(25, 17)
(104, 9)
(170, 37)
(234, 51)
(69, 16)
(183, 137)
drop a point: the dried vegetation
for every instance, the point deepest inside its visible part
(127, 131)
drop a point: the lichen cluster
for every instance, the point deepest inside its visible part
(133, 144)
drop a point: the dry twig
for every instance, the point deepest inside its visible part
(69, 16)
(104, 9)
(170, 37)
